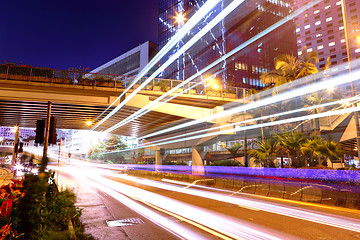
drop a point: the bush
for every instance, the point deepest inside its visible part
(228, 162)
(41, 212)
(175, 163)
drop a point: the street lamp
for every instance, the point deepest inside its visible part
(88, 123)
(180, 18)
(357, 39)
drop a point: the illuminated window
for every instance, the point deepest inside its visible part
(329, 19)
(342, 40)
(327, 7)
(316, 11)
(331, 44)
(307, 26)
(319, 35)
(318, 23)
(338, 3)
(298, 30)
(341, 28)
(320, 47)
(357, 50)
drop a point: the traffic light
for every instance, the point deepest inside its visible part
(16, 148)
(21, 147)
(40, 128)
(52, 131)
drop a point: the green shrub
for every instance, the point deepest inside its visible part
(228, 162)
(44, 213)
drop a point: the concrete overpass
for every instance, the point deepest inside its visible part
(23, 100)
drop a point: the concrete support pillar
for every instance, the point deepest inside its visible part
(198, 154)
(158, 158)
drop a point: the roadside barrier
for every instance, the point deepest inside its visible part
(341, 196)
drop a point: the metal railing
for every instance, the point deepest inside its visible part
(52, 76)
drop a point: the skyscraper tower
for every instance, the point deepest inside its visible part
(321, 28)
(248, 20)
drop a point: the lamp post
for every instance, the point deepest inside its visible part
(348, 50)
(16, 142)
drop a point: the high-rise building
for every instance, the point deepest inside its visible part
(172, 16)
(246, 21)
(321, 28)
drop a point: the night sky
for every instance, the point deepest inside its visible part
(63, 34)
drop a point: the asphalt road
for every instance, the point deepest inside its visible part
(167, 210)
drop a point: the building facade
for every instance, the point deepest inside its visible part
(131, 62)
(8, 133)
(321, 28)
(249, 19)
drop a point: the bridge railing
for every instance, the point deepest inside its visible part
(52, 76)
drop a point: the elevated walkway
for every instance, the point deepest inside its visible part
(78, 97)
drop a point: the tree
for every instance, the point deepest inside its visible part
(315, 148)
(334, 151)
(108, 150)
(234, 150)
(289, 68)
(266, 151)
(291, 143)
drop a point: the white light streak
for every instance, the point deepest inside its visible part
(335, 81)
(183, 49)
(208, 5)
(257, 119)
(294, 212)
(223, 224)
(279, 122)
(223, 58)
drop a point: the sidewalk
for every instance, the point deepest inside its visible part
(94, 211)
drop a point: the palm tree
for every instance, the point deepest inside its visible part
(266, 151)
(289, 68)
(292, 142)
(234, 150)
(315, 148)
(334, 151)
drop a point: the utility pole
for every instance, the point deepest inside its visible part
(348, 50)
(47, 128)
(16, 145)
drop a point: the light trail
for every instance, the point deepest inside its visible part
(208, 5)
(165, 223)
(226, 226)
(256, 119)
(318, 86)
(182, 50)
(284, 121)
(152, 106)
(145, 110)
(223, 58)
(294, 212)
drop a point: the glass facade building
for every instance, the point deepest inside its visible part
(247, 20)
